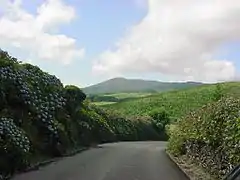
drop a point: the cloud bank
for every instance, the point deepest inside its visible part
(177, 38)
(33, 33)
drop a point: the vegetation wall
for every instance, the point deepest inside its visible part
(209, 136)
(40, 118)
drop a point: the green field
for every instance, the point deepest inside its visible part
(177, 103)
(121, 97)
(103, 103)
(128, 95)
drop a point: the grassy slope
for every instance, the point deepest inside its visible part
(102, 103)
(128, 95)
(121, 97)
(178, 103)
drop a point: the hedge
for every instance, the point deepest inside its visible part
(209, 136)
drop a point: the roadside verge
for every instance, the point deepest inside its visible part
(190, 169)
(38, 165)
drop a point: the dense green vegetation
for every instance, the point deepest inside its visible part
(102, 98)
(121, 85)
(210, 136)
(41, 119)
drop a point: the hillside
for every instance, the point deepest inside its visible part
(119, 85)
(178, 103)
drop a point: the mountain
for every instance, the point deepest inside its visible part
(120, 85)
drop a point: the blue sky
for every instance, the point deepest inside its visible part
(98, 25)
(230, 51)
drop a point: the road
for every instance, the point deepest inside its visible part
(115, 161)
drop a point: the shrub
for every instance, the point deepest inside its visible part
(160, 118)
(31, 100)
(210, 136)
(14, 146)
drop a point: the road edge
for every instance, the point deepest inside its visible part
(49, 161)
(178, 165)
(190, 169)
(38, 165)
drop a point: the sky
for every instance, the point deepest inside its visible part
(84, 42)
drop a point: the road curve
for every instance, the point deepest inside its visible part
(116, 161)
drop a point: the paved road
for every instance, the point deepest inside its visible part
(117, 161)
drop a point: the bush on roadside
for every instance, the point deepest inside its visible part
(210, 136)
(160, 119)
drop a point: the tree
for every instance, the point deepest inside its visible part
(218, 92)
(75, 97)
(160, 118)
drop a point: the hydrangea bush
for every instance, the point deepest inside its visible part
(14, 135)
(36, 93)
(41, 117)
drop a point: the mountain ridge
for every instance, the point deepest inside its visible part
(125, 85)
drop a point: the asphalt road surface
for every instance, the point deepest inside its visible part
(116, 161)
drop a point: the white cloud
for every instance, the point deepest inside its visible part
(177, 38)
(54, 12)
(32, 33)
